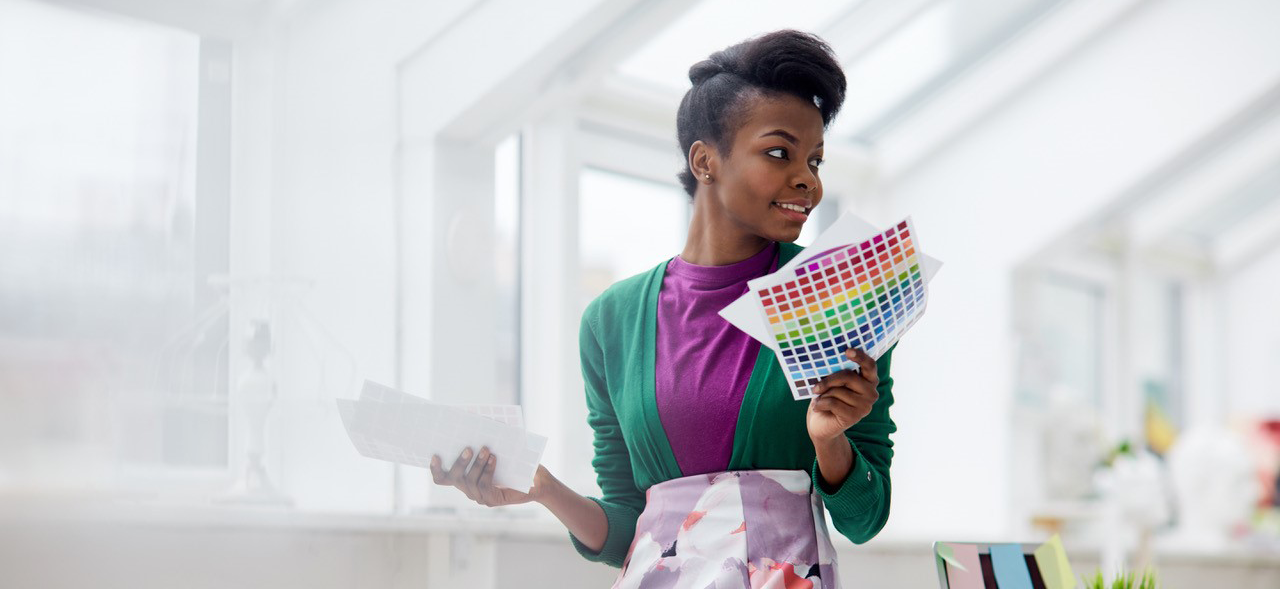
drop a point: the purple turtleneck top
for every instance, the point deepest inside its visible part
(703, 362)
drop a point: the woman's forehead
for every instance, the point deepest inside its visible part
(764, 115)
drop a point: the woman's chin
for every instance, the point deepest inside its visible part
(785, 234)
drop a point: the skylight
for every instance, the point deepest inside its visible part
(903, 52)
(713, 25)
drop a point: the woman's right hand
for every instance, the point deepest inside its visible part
(584, 518)
(475, 479)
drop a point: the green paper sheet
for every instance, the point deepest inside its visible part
(949, 556)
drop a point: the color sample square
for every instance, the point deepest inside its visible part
(856, 295)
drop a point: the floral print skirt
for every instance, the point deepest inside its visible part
(748, 528)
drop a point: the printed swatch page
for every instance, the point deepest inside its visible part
(744, 313)
(508, 414)
(864, 295)
(391, 425)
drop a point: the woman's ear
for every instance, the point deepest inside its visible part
(703, 161)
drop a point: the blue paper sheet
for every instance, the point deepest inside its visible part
(1010, 566)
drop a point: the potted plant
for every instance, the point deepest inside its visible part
(1124, 581)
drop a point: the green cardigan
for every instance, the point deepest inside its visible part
(631, 449)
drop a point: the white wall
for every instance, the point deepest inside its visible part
(1252, 336)
(1057, 152)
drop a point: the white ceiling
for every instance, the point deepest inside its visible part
(919, 72)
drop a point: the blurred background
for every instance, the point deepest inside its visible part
(219, 216)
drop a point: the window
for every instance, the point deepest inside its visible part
(927, 51)
(101, 242)
(626, 226)
(506, 209)
(712, 25)
(1062, 329)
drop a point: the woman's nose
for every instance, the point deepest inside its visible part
(807, 181)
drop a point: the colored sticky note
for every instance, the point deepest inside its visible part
(1010, 566)
(966, 572)
(947, 554)
(1056, 571)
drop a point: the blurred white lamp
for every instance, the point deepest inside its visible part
(255, 393)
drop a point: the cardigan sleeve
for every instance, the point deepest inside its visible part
(622, 501)
(859, 506)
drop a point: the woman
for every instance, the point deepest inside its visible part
(711, 474)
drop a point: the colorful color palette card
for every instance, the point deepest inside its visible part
(863, 294)
(744, 313)
(392, 425)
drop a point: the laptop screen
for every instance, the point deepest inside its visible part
(1027, 576)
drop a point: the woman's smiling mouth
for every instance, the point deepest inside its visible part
(793, 211)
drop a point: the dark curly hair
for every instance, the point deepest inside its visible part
(781, 62)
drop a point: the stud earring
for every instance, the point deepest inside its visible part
(707, 176)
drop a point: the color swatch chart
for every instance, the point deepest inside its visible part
(862, 295)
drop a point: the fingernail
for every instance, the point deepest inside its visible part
(466, 453)
(484, 454)
(492, 459)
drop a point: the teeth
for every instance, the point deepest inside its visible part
(790, 207)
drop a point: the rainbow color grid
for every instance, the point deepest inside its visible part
(862, 295)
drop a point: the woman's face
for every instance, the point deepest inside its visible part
(769, 183)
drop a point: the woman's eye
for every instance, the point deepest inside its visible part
(781, 153)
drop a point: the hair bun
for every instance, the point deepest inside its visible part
(705, 70)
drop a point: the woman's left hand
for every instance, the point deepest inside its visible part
(844, 398)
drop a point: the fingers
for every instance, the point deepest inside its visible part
(866, 365)
(489, 495)
(846, 414)
(459, 468)
(471, 480)
(847, 394)
(474, 479)
(437, 473)
(846, 379)
(864, 380)
(850, 396)
(829, 404)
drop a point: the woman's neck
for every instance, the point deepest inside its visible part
(712, 243)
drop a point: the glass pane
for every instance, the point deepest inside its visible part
(712, 25)
(936, 44)
(1062, 355)
(626, 226)
(507, 236)
(97, 224)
